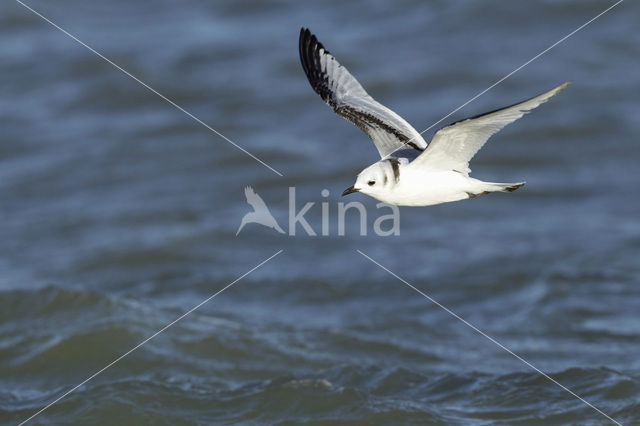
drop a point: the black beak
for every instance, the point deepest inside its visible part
(350, 190)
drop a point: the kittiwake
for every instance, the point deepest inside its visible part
(410, 172)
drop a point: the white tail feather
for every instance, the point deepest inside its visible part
(503, 187)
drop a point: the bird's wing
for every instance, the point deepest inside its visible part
(254, 199)
(452, 147)
(345, 95)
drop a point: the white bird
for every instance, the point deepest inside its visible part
(260, 213)
(410, 172)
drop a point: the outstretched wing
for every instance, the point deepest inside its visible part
(345, 95)
(452, 147)
(254, 200)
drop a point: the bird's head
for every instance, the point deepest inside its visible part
(373, 181)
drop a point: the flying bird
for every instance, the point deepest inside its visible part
(410, 171)
(260, 213)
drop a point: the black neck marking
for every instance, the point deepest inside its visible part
(395, 166)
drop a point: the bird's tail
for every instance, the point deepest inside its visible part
(487, 187)
(503, 187)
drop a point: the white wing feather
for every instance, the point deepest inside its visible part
(452, 147)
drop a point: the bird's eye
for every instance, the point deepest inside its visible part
(371, 182)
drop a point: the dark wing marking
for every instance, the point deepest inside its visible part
(342, 92)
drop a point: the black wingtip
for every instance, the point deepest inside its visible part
(310, 48)
(309, 42)
(303, 34)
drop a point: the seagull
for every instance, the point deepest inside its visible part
(260, 213)
(410, 171)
